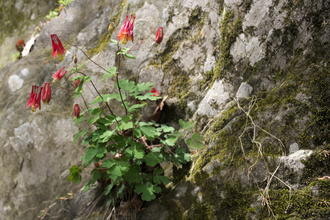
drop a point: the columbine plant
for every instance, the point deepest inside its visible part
(126, 151)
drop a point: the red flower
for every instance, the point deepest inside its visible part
(59, 74)
(20, 44)
(35, 98)
(159, 35)
(58, 48)
(76, 110)
(46, 93)
(126, 31)
(155, 92)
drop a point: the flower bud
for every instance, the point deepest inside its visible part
(75, 59)
(20, 44)
(155, 92)
(46, 93)
(76, 110)
(159, 35)
(58, 48)
(59, 74)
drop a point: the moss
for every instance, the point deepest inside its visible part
(230, 28)
(222, 141)
(302, 203)
(236, 202)
(180, 84)
(317, 165)
(200, 211)
(228, 200)
(318, 130)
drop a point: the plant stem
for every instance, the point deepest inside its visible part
(97, 91)
(83, 98)
(117, 81)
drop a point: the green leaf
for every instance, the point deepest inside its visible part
(101, 152)
(111, 72)
(94, 118)
(161, 179)
(148, 96)
(118, 170)
(185, 124)
(130, 56)
(108, 163)
(143, 87)
(125, 125)
(136, 151)
(75, 174)
(89, 155)
(120, 191)
(153, 158)
(171, 139)
(195, 141)
(86, 187)
(127, 85)
(150, 132)
(135, 107)
(52, 14)
(142, 123)
(182, 156)
(166, 129)
(114, 41)
(137, 133)
(95, 114)
(133, 175)
(108, 97)
(79, 119)
(156, 149)
(106, 136)
(79, 134)
(147, 190)
(123, 51)
(65, 2)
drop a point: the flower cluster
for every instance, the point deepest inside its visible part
(43, 93)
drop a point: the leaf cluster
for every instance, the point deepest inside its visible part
(126, 153)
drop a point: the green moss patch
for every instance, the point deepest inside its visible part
(311, 202)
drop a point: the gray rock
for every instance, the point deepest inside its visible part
(215, 99)
(244, 91)
(248, 47)
(293, 161)
(259, 10)
(293, 148)
(15, 82)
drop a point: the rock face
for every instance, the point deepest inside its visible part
(19, 20)
(253, 74)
